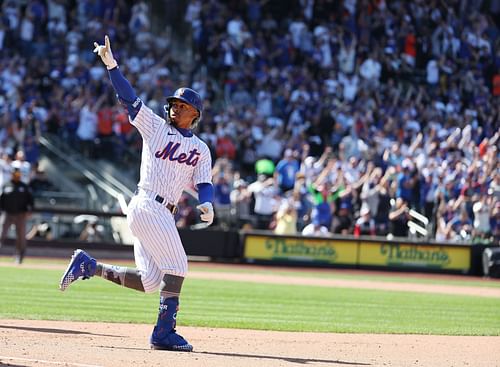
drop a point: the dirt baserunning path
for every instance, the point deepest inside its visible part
(76, 344)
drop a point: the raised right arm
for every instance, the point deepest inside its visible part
(125, 92)
(121, 85)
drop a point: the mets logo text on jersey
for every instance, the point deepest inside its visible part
(170, 150)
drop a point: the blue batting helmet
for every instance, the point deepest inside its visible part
(188, 96)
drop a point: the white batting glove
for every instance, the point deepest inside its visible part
(105, 53)
(207, 212)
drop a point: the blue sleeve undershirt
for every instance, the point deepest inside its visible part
(125, 92)
(205, 192)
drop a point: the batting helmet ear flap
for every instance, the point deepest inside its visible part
(166, 110)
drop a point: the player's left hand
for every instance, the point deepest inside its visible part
(207, 212)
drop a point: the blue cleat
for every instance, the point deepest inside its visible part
(82, 265)
(170, 341)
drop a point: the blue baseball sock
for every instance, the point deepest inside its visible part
(164, 335)
(167, 315)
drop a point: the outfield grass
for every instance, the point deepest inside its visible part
(411, 278)
(33, 294)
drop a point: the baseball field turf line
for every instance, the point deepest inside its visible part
(34, 294)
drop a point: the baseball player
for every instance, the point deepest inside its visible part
(173, 158)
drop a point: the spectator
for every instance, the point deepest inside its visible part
(286, 170)
(225, 147)
(323, 200)
(286, 219)
(370, 192)
(16, 200)
(40, 180)
(265, 194)
(496, 83)
(384, 205)
(105, 132)
(222, 200)
(20, 163)
(140, 18)
(241, 200)
(31, 147)
(482, 216)
(88, 125)
(347, 54)
(405, 183)
(91, 232)
(370, 70)
(495, 223)
(27, 31)
(342, 223)
(428, 195)
(271, 146)
(42, 230)
(315, 229)
(5, 168)
(461, 226)
(398, 218)
(365, 225)
(469, 193)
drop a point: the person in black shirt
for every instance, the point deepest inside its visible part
(398, 218)
(383, 208)
(16, 201)
(342, 222)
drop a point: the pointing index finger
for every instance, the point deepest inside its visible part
(106, 42)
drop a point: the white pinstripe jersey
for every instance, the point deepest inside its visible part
(170, 162)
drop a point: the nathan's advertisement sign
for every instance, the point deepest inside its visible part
(408, 255)
(300, 249)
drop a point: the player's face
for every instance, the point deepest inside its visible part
(182, 114)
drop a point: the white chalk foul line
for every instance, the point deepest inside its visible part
(48, 362)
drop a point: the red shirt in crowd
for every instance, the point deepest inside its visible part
(105, 121)
(225, 148)
(496, 85)
(410, 45)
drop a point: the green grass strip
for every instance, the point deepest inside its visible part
(409, 278)
(34, 294)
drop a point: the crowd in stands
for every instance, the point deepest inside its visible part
(322, 116)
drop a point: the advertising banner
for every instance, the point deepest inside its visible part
(415, 255)
(322, 250)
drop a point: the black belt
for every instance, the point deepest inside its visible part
(173, 208)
